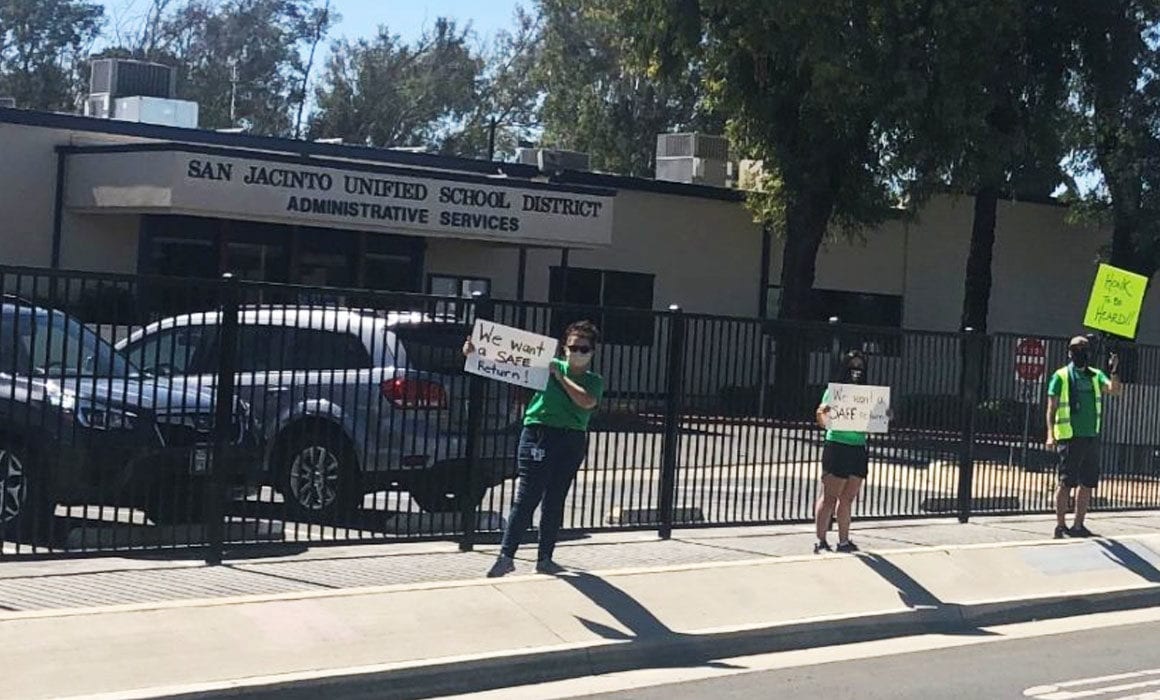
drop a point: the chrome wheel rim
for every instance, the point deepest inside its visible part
(13, 486)
(314, 478)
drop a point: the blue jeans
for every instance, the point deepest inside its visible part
(548, 461)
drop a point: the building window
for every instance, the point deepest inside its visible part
(857, 309)
(604, 296)
(455, 286)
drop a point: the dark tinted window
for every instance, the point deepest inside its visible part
(170, 352)
(596, 291)
(263, 348)
(433, 347)
(39, 343)
(327, 350)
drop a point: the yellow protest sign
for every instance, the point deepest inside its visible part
(1115, 303)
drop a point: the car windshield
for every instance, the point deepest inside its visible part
(41, 343)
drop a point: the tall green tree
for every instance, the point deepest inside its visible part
(1118, 91)
(992, 123)
(508, 94)
(385, 92)
(599, 100)
(817, 91)
(42, 45)
(240, 60)
(821, 93)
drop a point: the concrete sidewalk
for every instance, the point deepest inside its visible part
(416, 620)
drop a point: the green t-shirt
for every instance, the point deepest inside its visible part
(1082, 399)
(553, 408)
(843, 437)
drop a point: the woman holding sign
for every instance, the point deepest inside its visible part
(552, 446)
(845, 464)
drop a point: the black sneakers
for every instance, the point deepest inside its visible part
(822, 547)
(547, 566)
(1081, 531)
(1063, 532)
(847, 547)
(502, 566)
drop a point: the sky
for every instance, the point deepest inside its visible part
(407, 18)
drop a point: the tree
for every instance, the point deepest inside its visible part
(42, 43)
(240, 60)
(383, 92)
(600, 101)
(992, 122)
(1119, 135)
(508, 95)
(821, 94)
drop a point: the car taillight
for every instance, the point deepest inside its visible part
(414, 393)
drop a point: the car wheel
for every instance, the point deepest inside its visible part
(318, 477)
(26, 510)
(177, 502)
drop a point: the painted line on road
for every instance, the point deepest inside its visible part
(771, 560)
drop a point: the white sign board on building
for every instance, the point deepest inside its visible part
(859, 408)
(360, 196)
(511, 355)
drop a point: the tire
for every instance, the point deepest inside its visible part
(318, 475)
(177, 502)
(26, 508)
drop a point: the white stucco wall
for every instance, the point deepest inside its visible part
(27, 194)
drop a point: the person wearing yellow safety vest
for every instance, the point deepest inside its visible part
(1075, 407)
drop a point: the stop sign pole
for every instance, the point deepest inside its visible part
(1030, 367)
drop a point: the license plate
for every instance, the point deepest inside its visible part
(200, 460)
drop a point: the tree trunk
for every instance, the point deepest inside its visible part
(806, 221)
(977, 289)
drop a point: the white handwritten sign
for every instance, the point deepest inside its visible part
(511, 355)
(858, 408)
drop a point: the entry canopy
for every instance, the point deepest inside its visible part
(232, 184)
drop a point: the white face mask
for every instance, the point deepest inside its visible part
(576, 360)
(579, 361)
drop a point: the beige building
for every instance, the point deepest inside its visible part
(103, 195)
(124, 197)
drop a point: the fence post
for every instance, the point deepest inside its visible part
(468, 505)
(970, 379)
(674, 375)
(215, 491)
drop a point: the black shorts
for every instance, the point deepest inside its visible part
(844, 461)
(1079, 462)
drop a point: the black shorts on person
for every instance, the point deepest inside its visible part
(845, 461)
(1079, 462)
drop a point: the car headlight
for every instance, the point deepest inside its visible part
(105, 418)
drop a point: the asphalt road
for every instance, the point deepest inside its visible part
(1114, 663)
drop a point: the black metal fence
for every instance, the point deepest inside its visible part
(141, 413)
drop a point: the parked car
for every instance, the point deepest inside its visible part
(350, 402)
(80, 425)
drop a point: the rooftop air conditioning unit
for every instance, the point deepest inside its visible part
(124, 78)
(693, 158)
(554, 160)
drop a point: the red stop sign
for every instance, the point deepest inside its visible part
(1030, 359)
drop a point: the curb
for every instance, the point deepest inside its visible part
(497, 671)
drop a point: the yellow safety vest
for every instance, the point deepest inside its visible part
(1062, 427)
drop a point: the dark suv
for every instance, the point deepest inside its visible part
(79, 424)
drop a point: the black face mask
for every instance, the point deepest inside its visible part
(1080, 357)
(855, 375)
